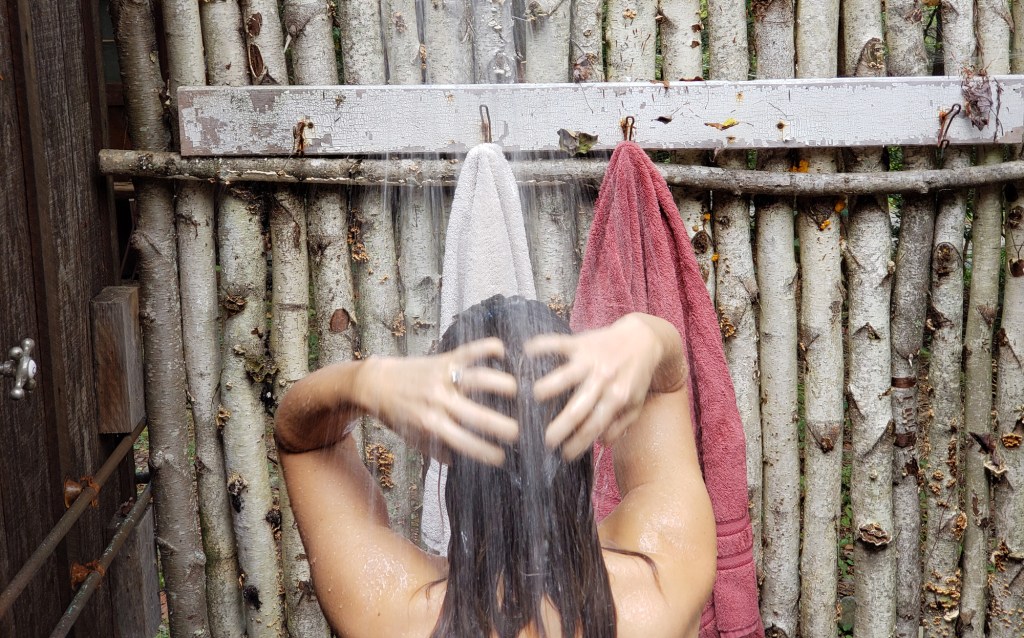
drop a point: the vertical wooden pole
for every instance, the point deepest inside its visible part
(821, 298)
(946, 518)
(778, 283)
(173, 473)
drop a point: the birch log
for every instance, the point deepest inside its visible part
(735, 282)
(372, 246)
(981, 313)
(778, 281)
(245, 365)
(494, 49)
(200, 330)
(289, 336)
(1007, 607)
(551, 233)
(869, 269)
(904, 36)
(992, 20)
(448, 41)
(587, 50)
(946, 518)
(410, 207)
(289, 330)
(682, 58)
(308, 24)
(631, 33)
(178, 533)
(821, 296)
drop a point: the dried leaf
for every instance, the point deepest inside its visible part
(575, 142)
(664, 119)
(721, 126)
(984, 441)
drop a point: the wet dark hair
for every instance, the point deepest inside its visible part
(522, 534)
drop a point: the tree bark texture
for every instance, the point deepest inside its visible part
(778, 281)
(946, 519)
(587, 41)
(313, 62)
(419, 266)
(201, 328)
(735, 282)
(904, 35)
(245, 382)
(160, 314)
(406, 61)
(381, 326)
(362, 52)
(981, 313)
(1007, 608)
(631, 33)
(289, 334)
(550, 232)
(992, 20)
(821, 342)
(1007, 617)
(494, 48)
(289, 339)
(448, 41)
(368, 172)
(869, 270)
(682, 58)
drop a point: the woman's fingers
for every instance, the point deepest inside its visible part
(482, 419)
(597, 423)
(572, 415)
(479, 379)
(549, 344)
(470, 353)
(461, 440)
(560, 380)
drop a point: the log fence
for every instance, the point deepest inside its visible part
(883, 414)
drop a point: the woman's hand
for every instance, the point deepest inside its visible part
(421, 398)
(612, 369)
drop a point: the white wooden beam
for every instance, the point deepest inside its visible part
(347, 120)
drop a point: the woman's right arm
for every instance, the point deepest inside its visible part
(418, 397)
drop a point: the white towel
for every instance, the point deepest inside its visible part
(485, 254)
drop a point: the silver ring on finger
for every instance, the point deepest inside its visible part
(456, 376)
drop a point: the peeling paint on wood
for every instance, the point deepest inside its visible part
(851, 112)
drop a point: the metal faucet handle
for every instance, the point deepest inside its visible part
(22, 367)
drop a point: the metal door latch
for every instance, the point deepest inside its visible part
(22, 367)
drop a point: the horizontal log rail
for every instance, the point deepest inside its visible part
(89, 492)
(344, 171)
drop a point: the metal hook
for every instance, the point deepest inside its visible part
(628, 128)
(485, 122)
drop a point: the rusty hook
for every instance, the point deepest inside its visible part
(945, 121)
(628, 125)
(485, 122)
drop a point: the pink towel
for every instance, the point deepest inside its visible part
(639, 259)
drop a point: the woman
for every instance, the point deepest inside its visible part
(517, 412)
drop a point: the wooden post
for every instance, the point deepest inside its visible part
(134, 583)
(117, 349)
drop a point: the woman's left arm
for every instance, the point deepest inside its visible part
(366, 576)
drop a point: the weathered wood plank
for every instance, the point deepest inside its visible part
(133, 581)
(850, 112)
(117, 349)
(28, 467)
